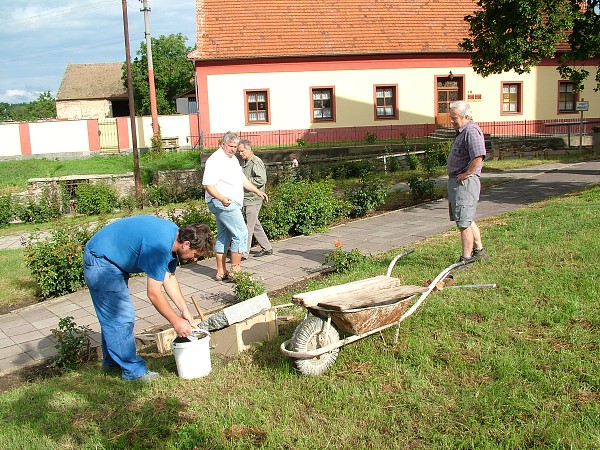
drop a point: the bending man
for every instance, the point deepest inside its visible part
(132, 245)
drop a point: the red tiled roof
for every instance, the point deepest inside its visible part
(227, 29)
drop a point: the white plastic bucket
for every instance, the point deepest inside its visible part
(193, 356)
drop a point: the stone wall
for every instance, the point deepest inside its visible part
(178, 181)
(123, 183)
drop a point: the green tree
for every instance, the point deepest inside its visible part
(173, 73)
(42, 108)
(518, 34)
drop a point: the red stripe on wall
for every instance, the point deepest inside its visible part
(202, 97)
(123, 133)
(93, 135)
(25, 138)
(194, 130)
(329, 64)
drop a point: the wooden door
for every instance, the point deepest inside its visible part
(448, 90)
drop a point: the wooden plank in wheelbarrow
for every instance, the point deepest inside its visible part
(312, 298)
(368, 298)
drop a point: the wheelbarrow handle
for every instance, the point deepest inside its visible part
(396, 258)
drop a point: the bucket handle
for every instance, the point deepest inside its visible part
(200, 330)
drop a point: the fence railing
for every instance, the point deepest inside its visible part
(395, 134)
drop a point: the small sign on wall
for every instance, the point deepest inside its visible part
(473, 97)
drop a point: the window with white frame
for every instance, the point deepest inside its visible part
(257, 107)
(511, 98)
(322, 105)
(567, 97)
(386, 102)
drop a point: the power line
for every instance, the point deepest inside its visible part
(57, 14)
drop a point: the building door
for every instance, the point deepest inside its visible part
(109, 140)
(448, 89)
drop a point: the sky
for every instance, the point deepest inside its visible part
(39, 38)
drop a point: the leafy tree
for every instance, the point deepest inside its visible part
(518, 34)
(42, 108)
(173, 73)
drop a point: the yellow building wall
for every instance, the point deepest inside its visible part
(289, 96)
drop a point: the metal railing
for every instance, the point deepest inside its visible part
(394, 134)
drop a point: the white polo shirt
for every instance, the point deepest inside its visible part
(226, 175)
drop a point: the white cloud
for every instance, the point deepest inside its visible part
(19, 96)
(41, 37)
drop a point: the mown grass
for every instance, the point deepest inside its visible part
(507, 368)
(15, 173)
(17, 286)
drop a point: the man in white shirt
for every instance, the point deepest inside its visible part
(224, 184)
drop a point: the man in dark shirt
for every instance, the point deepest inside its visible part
(256, 172)
(464, 169)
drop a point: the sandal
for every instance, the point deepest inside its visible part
(222, 276)
(235, 268)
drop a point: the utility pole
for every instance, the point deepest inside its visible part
(153, 108)
(136, 161)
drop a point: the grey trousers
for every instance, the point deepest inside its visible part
(255, 228)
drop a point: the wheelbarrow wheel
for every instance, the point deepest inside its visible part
(314, 333)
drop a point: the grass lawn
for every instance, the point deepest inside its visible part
(507, 368)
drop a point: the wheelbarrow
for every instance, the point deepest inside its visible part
(359, 309)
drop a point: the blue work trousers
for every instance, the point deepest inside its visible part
(110, 295)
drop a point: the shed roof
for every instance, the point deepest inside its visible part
(92, 81)
(281, 28)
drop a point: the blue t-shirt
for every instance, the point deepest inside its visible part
(138, 244)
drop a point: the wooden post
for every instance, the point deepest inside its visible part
(198, 308)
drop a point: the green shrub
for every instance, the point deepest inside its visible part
(158, 196)
(56, 262)
(353, 169)
(393, 164)
(246, 286)
(315, 206)
(301, 142)
(50, 205)
(193, 212)
(156, 148)
(129, 203)
(434, 156)
(366, 197)
(73, 344)
(341, 260)
(6, 213)
(164, 194)
(370, 137)
(98, 198)
(421, 188)
(277, 217)
(300, 207)
(411, 160)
